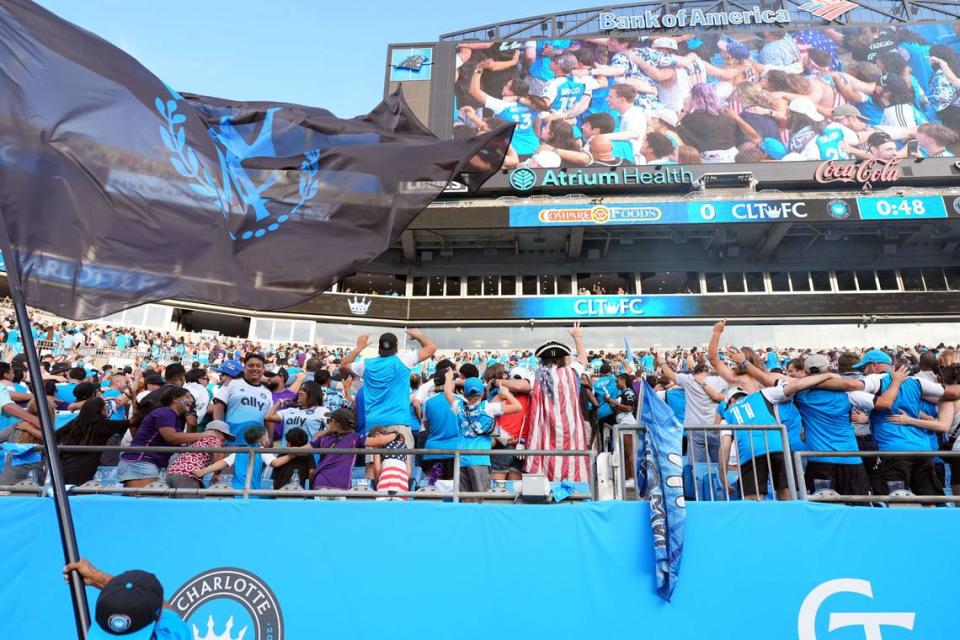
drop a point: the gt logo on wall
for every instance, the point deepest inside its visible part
(872, 624)
(229, 604)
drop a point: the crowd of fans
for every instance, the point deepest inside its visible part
(813, 94)
(200, 393)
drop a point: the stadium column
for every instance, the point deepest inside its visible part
(68, 536)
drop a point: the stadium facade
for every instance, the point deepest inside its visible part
(840, 249)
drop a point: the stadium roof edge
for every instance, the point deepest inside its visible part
(568, 22)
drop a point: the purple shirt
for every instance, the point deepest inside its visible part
(335, 470)
(148, 435)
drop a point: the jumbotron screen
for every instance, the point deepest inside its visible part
(880, 92)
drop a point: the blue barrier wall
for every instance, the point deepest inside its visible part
(355, 570)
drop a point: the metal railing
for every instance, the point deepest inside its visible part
(620, 468)
(905, 498)
(456, 495)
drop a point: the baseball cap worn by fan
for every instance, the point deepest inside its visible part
(221, 426)
(816, 363)
(878, 138)
(387, 344)
(666, 115)
(846, 111)
(473, 387)
(738, 51)
(129, 606)
(665, 43)
(734, 392)
(568, 62)
(805, 107)
(873, 356)
(774, 148)
(154, 379)
(231, 368)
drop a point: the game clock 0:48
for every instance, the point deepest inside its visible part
(901, 207)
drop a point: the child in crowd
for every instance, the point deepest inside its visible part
(299, 464)
(254, 437)
(181, 470)
(390, 470)
(476, 418)
(334, 470)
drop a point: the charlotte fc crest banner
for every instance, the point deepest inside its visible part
(116, 190)
(660, 479)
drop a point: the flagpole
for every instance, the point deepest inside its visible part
(68, 536)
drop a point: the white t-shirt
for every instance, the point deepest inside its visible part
(200, 398)
(700, 408)
(635, 120)
(859, 399)
(928, 388)
(312, 420)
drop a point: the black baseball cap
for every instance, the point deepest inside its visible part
(154, 378)
(174, 370)
(129, 606)
(878, 138)
(85, 390)
(387, 344)
(279, 372)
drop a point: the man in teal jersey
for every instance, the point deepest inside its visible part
(760, 453)
(515, 106)
(567, 95)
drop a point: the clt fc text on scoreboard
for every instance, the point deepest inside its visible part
(737, 211)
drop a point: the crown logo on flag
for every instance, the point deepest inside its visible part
(237, 193)
(359, 306)
(226, 631)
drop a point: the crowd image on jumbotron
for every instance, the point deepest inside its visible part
(812, 94)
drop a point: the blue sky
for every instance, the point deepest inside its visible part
(311, 52)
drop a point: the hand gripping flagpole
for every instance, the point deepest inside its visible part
(67, 534)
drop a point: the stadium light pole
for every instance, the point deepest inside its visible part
(68, 536)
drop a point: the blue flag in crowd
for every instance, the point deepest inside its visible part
(629, 353)
(145, 193)
(22, 454)
(660, 479)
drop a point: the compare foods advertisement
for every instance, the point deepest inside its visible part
(736, 211)
(785, 94)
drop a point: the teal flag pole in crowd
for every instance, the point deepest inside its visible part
(660, 479)
(629, 354)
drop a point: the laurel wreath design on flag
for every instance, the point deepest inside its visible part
(186, 162)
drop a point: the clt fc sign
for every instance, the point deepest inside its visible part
(601, 307)
(871, 623)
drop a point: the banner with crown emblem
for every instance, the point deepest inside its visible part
(116, 190)
(325, 581)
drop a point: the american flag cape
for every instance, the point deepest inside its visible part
(556, 422)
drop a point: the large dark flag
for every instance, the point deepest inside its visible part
(660, 478)
(116, 190)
